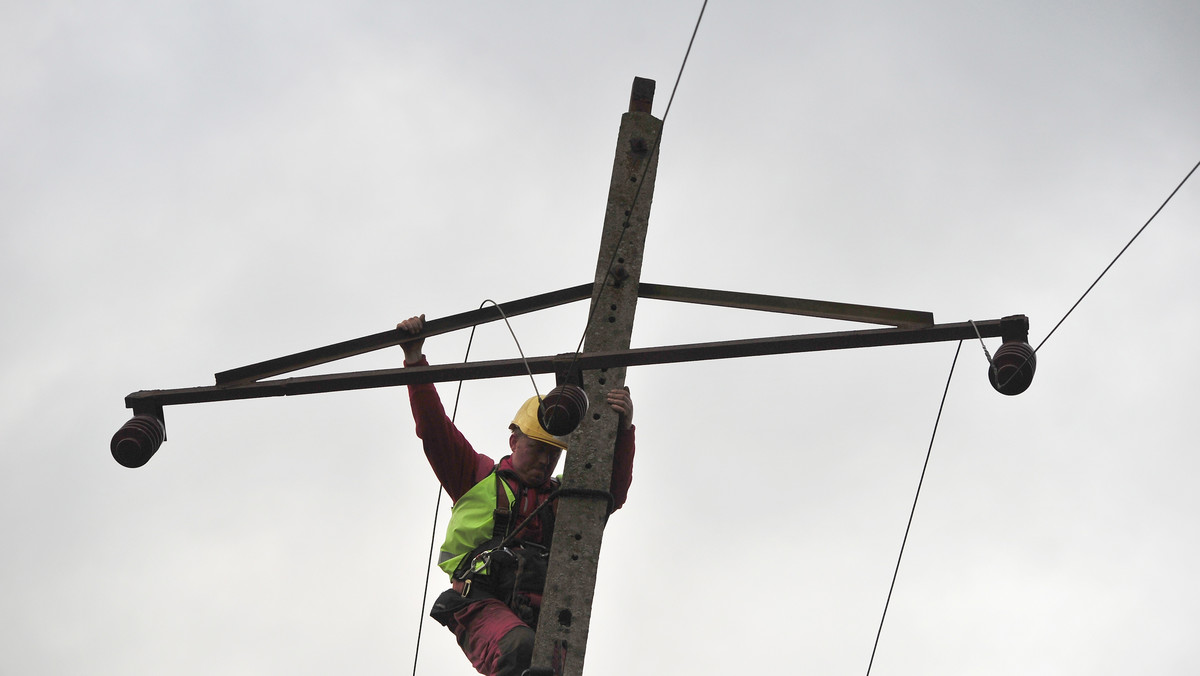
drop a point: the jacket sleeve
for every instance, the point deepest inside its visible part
(622, 472)
(455, 463)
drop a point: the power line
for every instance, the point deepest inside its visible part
(1095, 282)
(920, 482)
(645, 169)
(1118, 256)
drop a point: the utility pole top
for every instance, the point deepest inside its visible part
(642, 97)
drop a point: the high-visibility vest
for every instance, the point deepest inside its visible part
(473, 520)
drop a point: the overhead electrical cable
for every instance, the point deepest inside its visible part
(913, 511)
(988, 356)
(989, 359)
(1106, 269)
(1119, 254)
(642, 180)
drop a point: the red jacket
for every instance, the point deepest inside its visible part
(458, 466)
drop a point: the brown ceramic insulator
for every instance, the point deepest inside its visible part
(563, 409)
(1012, 368)
(137, 440)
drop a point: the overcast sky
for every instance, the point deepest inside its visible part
(188, 187)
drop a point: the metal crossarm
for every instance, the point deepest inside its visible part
(644, 356)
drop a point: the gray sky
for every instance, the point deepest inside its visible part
(189, 187)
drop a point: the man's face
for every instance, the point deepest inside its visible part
(534, 461)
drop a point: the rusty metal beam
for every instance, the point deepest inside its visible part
(433, 327)
(796, 306)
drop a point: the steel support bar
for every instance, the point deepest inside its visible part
(644, 356)
(796, 306)
(433, 327)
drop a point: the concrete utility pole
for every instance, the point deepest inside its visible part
(583, 508)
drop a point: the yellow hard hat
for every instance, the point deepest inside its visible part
(527, 421)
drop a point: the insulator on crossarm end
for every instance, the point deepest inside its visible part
(1012, 368)
(137, 440)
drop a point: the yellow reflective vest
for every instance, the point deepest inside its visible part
(472, 520)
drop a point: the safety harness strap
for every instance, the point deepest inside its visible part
(503, 514)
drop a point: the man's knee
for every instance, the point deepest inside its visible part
(516, 652)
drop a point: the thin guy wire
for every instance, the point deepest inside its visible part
(908, 528)
(1097, 280)
(1118, 256)
(642, 181)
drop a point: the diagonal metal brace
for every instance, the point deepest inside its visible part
(377, 341)
(796, 306)
(433, 327)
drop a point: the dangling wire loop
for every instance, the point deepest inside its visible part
(991, 362)
(515, 340)
(982, 344)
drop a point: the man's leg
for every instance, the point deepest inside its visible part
(494, 638)
(516, 652)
